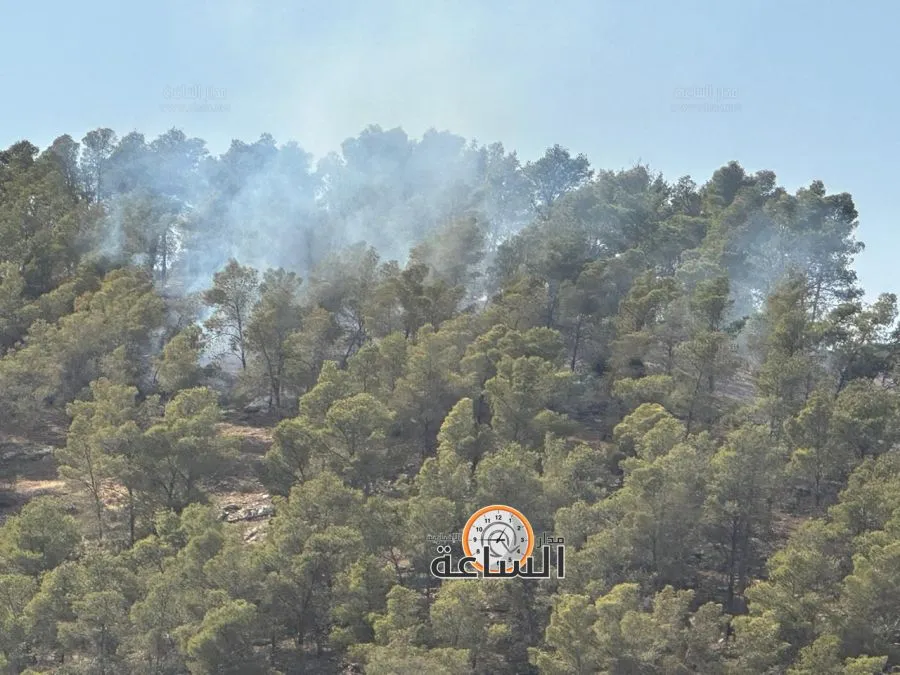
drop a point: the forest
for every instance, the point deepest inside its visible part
(241, 393)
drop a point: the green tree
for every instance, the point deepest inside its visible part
(741, 494)
(521, 396)
(571, 647)
(178, 366)
(184, 448)
(232, 298)
(823, 657)
(41, 537)
(428, 388)
(403, 620)
(556, 173)
(816, 459)
(16, 590)
(224, 642)
(355, 436)
(275, 317)
(787, 346)
(97, 148)
(97, 629)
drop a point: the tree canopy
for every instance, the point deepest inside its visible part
(683, 380)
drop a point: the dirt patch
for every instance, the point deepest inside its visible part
(241, 497)
(33, 488)
(785, 524)
(31, 470)
(15, 495)
(259, 418)
(254, 440)
(28, 469)
(243, 475)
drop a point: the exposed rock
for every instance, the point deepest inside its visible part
(262, 512)
(227, 510)
(25, 452)
(256, 406)
(249, 513)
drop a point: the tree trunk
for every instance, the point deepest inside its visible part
(276, 391)
(240, 331)
(576, 344)
(131, 517)
(690, 415)
(732, 562)
(98, 507)
(164, 258)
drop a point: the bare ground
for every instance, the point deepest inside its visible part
(30, 470)
(241, 496)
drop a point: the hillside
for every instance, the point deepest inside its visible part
(241, 397)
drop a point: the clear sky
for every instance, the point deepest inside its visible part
(808, 89)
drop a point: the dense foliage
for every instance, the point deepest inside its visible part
(682, 381)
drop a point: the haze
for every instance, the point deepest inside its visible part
(805, 90)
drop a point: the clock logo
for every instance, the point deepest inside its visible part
(503, 531)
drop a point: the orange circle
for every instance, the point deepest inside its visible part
(497, 507)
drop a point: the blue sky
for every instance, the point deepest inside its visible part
(806, 89)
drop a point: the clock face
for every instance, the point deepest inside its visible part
(502, 530)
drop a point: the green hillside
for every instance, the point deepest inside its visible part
(241, 394)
